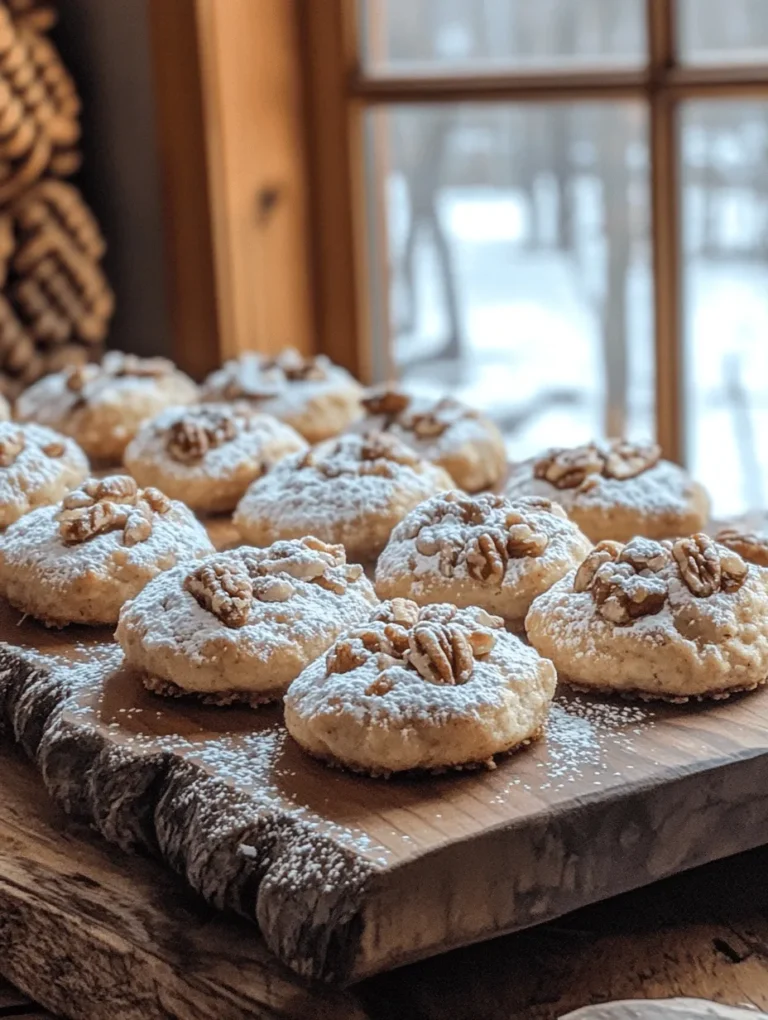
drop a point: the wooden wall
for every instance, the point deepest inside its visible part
(106, 46)
(196, 166)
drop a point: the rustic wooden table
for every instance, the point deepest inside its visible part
(155, 950)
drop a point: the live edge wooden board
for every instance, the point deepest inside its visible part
(347, 876)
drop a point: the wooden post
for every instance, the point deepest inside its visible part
(665, 232)
(231, 129)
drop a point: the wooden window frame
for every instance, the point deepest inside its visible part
(338, 92)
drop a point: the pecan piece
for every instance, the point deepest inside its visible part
(628, 460)
(699, 563)
(157, 500)
(10, 448)
(707, 568)
(118, 488)
(441, 653)
(522, 540)
(378, 446)
(385, 400)
(224, 589)
(197, 432)
(604, 552)
(77, 498)
(272, 589)
(54, 450)
(76, 378)
(295, 367)
(138, 526)
(540, 503)
(81, 523)
(566, 469)
(621, 595)
(345, 656)
(646, 554)
(401, 611)
(487, 556)
(433, 422)
(380, 686)
(439, 612)
(749, 545)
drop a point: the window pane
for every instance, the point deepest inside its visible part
(515, 242)
(439, 36)
(725, 237)
(716, 31)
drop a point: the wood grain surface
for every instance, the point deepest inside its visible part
(92, 933)
(347, 876)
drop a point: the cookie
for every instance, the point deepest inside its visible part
(446, 432)
(312, 395)
(616, 490)
(208, 454)
(431, 689)
(37, 467)
(750, 545)
(79, 561)
(102, 406)
(240, 625)
(352, 490)
(670, 620)
(481, 550)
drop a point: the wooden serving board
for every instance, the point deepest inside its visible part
(347, 876)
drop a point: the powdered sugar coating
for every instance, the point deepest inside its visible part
(415, 724)
(338, 496)
(36, 477)
(165, 632)
(214, 482)
(449, 574)
(692, 647)
(470, 446)
(661, 502)
(317, 407)
(88, 582)
(105, 414)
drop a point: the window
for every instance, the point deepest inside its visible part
(558, 210)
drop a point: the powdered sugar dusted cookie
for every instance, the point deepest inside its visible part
(351, 490)
(79, 561)
(431, 688)
(670, 620)
(240, 625)
(750, 545)
(480, 550)
(314, 396)
(616, 490)
(102, 406)
(207, 455)
(463, 441)
(37, 467)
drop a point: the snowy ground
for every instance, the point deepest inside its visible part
(532, 349)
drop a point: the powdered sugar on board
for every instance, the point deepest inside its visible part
(588, 743)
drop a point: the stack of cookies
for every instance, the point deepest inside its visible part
(412, 599)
